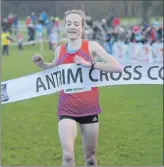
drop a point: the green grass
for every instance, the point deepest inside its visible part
(130, 125)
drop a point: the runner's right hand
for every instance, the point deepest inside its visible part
(38, 60)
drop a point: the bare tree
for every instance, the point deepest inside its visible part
(95, 9)
(146, 7)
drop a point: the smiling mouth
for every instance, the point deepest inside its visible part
(72, 32)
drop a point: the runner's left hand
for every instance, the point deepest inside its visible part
(80, 61)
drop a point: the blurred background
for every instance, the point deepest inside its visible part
(95, 9)
(119, 26)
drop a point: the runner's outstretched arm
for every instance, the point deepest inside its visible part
(39, 60)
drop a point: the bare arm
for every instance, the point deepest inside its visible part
(39, 60)
(109, 64)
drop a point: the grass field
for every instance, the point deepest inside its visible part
(131, 124)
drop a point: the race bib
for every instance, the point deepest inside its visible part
(77, 90)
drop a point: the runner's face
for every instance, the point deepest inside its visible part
(73, 26)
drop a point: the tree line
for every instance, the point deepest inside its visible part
(96, 9)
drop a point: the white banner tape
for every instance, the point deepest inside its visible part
(72, 76)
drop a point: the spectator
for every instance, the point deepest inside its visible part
(31, 32)
(53, 39)
(33, 18)
(50, 25)
(44, 17)
(10, 22)
(136, 36)
(5, 41)
(15, 24)
(39, 30)
(20, 41)
(5, 24)
(28, 21)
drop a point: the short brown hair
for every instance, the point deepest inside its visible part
(79, 12)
